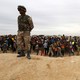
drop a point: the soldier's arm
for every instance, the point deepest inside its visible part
(30, 23)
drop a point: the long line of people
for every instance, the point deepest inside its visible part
(45, 45)
(56, 46)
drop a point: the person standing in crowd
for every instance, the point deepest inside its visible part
(45, 45)
(25, 25)
(50, 53)
(4, 46)
(37, 48)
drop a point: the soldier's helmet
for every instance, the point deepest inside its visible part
(20, 7)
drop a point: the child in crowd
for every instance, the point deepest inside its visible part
(4, 47)
(71, 51)
(37, 48)
(50, 51)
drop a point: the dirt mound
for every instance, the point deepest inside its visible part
(39, 68)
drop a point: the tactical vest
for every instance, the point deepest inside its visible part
(23, 23)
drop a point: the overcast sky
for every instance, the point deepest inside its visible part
(50, 17)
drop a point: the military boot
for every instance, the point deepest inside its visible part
(21, 53)
(28, 54)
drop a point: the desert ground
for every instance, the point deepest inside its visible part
(39, 67)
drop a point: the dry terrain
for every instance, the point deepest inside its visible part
(39, 67)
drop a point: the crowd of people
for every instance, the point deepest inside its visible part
(8, 43)
(55, 46)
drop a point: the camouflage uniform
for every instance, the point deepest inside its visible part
(25, 25)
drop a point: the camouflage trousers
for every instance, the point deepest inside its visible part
(23, 40)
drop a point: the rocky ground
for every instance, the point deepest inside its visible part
(39, 67)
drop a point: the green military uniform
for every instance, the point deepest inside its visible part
(25, 25)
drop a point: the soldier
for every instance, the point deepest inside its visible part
(25, 25)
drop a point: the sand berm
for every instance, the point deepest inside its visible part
(39, 67)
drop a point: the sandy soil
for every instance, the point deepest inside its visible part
(39, 67)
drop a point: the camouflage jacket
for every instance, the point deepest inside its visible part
(25, 23)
